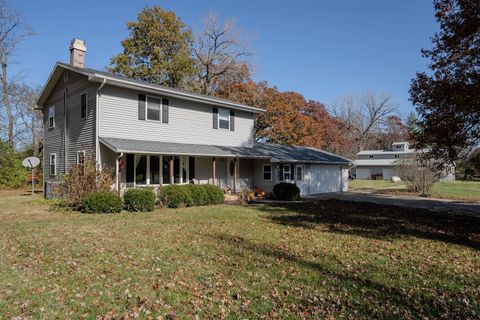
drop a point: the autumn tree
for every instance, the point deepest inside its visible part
(158, 49)
(447, 98)
(221, 51)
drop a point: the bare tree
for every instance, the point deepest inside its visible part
(363, 115)
(28, 124)
(12, 31)
(221, 50)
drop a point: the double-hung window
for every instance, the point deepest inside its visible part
(267, 172)
(53, 164)
(51, 117)
(81, 157)
(299, 173)
(223, 119)
(154, 108)
(83, 105)
(286, 173)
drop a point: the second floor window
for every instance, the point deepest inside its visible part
(371, 157)
(154, 108)
(223, 119)
(83, 105)
(51, 117)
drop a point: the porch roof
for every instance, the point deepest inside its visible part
(267, 151)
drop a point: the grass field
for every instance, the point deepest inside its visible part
(457, 190)
(312, 260)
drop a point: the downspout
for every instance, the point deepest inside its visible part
(97, 125)
(117, 167)
(65, 131)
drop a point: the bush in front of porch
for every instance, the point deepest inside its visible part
(139, 200)
(176, 196)
(286, 191)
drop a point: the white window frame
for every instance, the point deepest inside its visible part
(54, 164)
(86, 106)
(263, 172)
(285, 171)
(161, 109)
(52, 108)
(220, 118)
(182, 163)
(296, 172)
(79, 152)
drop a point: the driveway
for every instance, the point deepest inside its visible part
(439, 205)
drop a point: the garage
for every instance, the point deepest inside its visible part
(325, 178)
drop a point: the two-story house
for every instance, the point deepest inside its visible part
(153, 135)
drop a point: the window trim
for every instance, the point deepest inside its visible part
(78, 156)
(86, 105)
(54, 164)
(160, 117)
(263, 171)
(296, 172)
(52, 117)
(289, 172)
(228, 117)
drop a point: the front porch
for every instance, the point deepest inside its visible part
(155, 170)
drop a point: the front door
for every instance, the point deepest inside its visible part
(230, 173)
(299, 177)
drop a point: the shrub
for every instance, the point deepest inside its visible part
(140, 199)
(175, 196)
(101, 202)
(286, 191)
(12, 173)
(199, 194)
(419, 174)
(83, 179)
(214, 194)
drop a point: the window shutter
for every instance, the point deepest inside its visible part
(215, 118)
(165, 110)
(141, 106)
(232, 120)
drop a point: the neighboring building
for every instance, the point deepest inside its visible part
(154, 135)
(379, 164)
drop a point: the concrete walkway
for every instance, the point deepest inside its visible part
(439, 205)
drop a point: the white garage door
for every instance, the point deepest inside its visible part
(325, 179)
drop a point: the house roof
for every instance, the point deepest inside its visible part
(267, 151)
(375, 162)
(117, 80)
(389, 152)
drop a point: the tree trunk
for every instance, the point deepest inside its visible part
(6, 102)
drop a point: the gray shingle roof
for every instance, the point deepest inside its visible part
(268, 151)
(98, 75)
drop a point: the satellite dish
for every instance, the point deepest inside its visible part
(31, 162)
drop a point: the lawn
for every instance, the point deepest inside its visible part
(306, 260)
(456, 190)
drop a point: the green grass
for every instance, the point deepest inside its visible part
(456, 190)
(468, 190)
(312, 260)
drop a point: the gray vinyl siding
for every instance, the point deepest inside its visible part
(189, 122)
(258, 176)
(80, 132)
(245, 175)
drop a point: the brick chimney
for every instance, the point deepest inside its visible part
(77, 53)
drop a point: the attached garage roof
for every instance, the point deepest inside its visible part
(267, 151)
